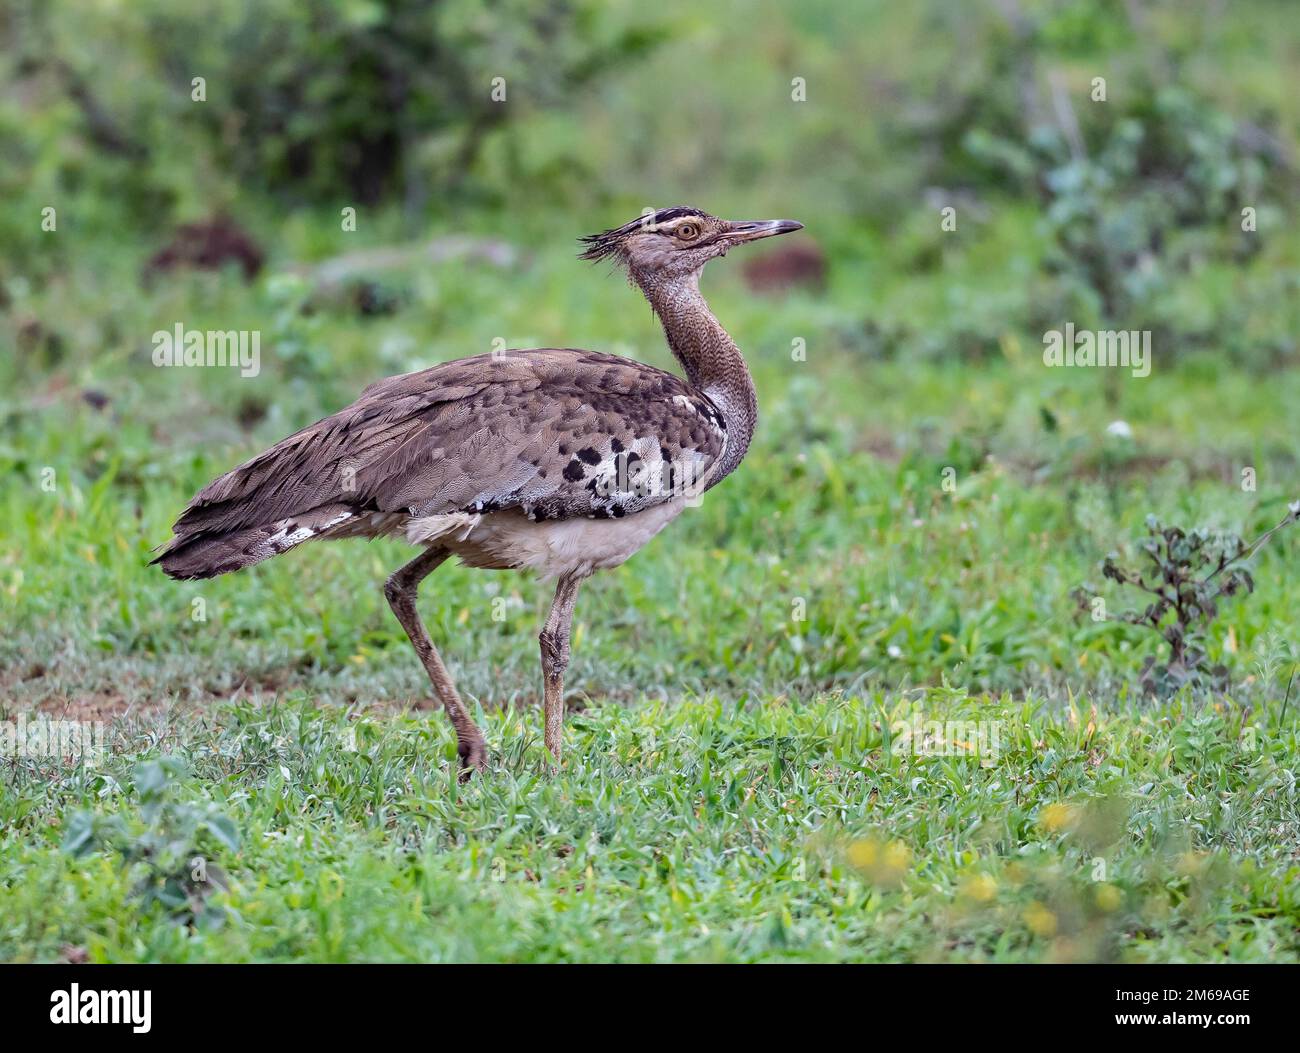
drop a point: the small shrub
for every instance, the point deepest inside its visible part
(172, 850)
(1186, 573)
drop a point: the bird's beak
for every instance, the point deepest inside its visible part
(753, 229)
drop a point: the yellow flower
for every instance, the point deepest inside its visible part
(978, 887)
(1056, 817)
(881, 863)
(863, 854)
(897, 856)
(1108, 897)
(1041, 921)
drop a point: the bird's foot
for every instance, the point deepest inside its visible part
(473, 757)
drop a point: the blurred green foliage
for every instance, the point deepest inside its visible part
(168, 850)
(317, 103)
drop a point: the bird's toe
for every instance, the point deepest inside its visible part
(473, 758)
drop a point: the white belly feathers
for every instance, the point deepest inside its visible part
(552, 548)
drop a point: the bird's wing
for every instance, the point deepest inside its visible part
(557, 433)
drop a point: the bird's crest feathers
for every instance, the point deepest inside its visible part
(603, 245)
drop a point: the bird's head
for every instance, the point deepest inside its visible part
(674, 242)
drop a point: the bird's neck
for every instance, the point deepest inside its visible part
(711, 359)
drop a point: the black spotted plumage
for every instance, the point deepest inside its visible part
(476, 434)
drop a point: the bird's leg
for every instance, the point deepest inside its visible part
(554, 639)
(401, 591)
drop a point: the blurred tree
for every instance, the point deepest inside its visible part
(311, 101)
(1137, 187)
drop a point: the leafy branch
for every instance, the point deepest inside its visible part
(1186, 573)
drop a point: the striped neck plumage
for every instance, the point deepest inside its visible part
(711, 359)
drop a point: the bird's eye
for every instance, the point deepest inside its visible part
(687, 231)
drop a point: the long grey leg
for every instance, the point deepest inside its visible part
(554, 639)
(401, 591)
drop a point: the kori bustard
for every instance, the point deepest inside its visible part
(559, 461)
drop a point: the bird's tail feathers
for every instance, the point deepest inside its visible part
(206, 555)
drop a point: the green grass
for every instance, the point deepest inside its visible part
(688, 831)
